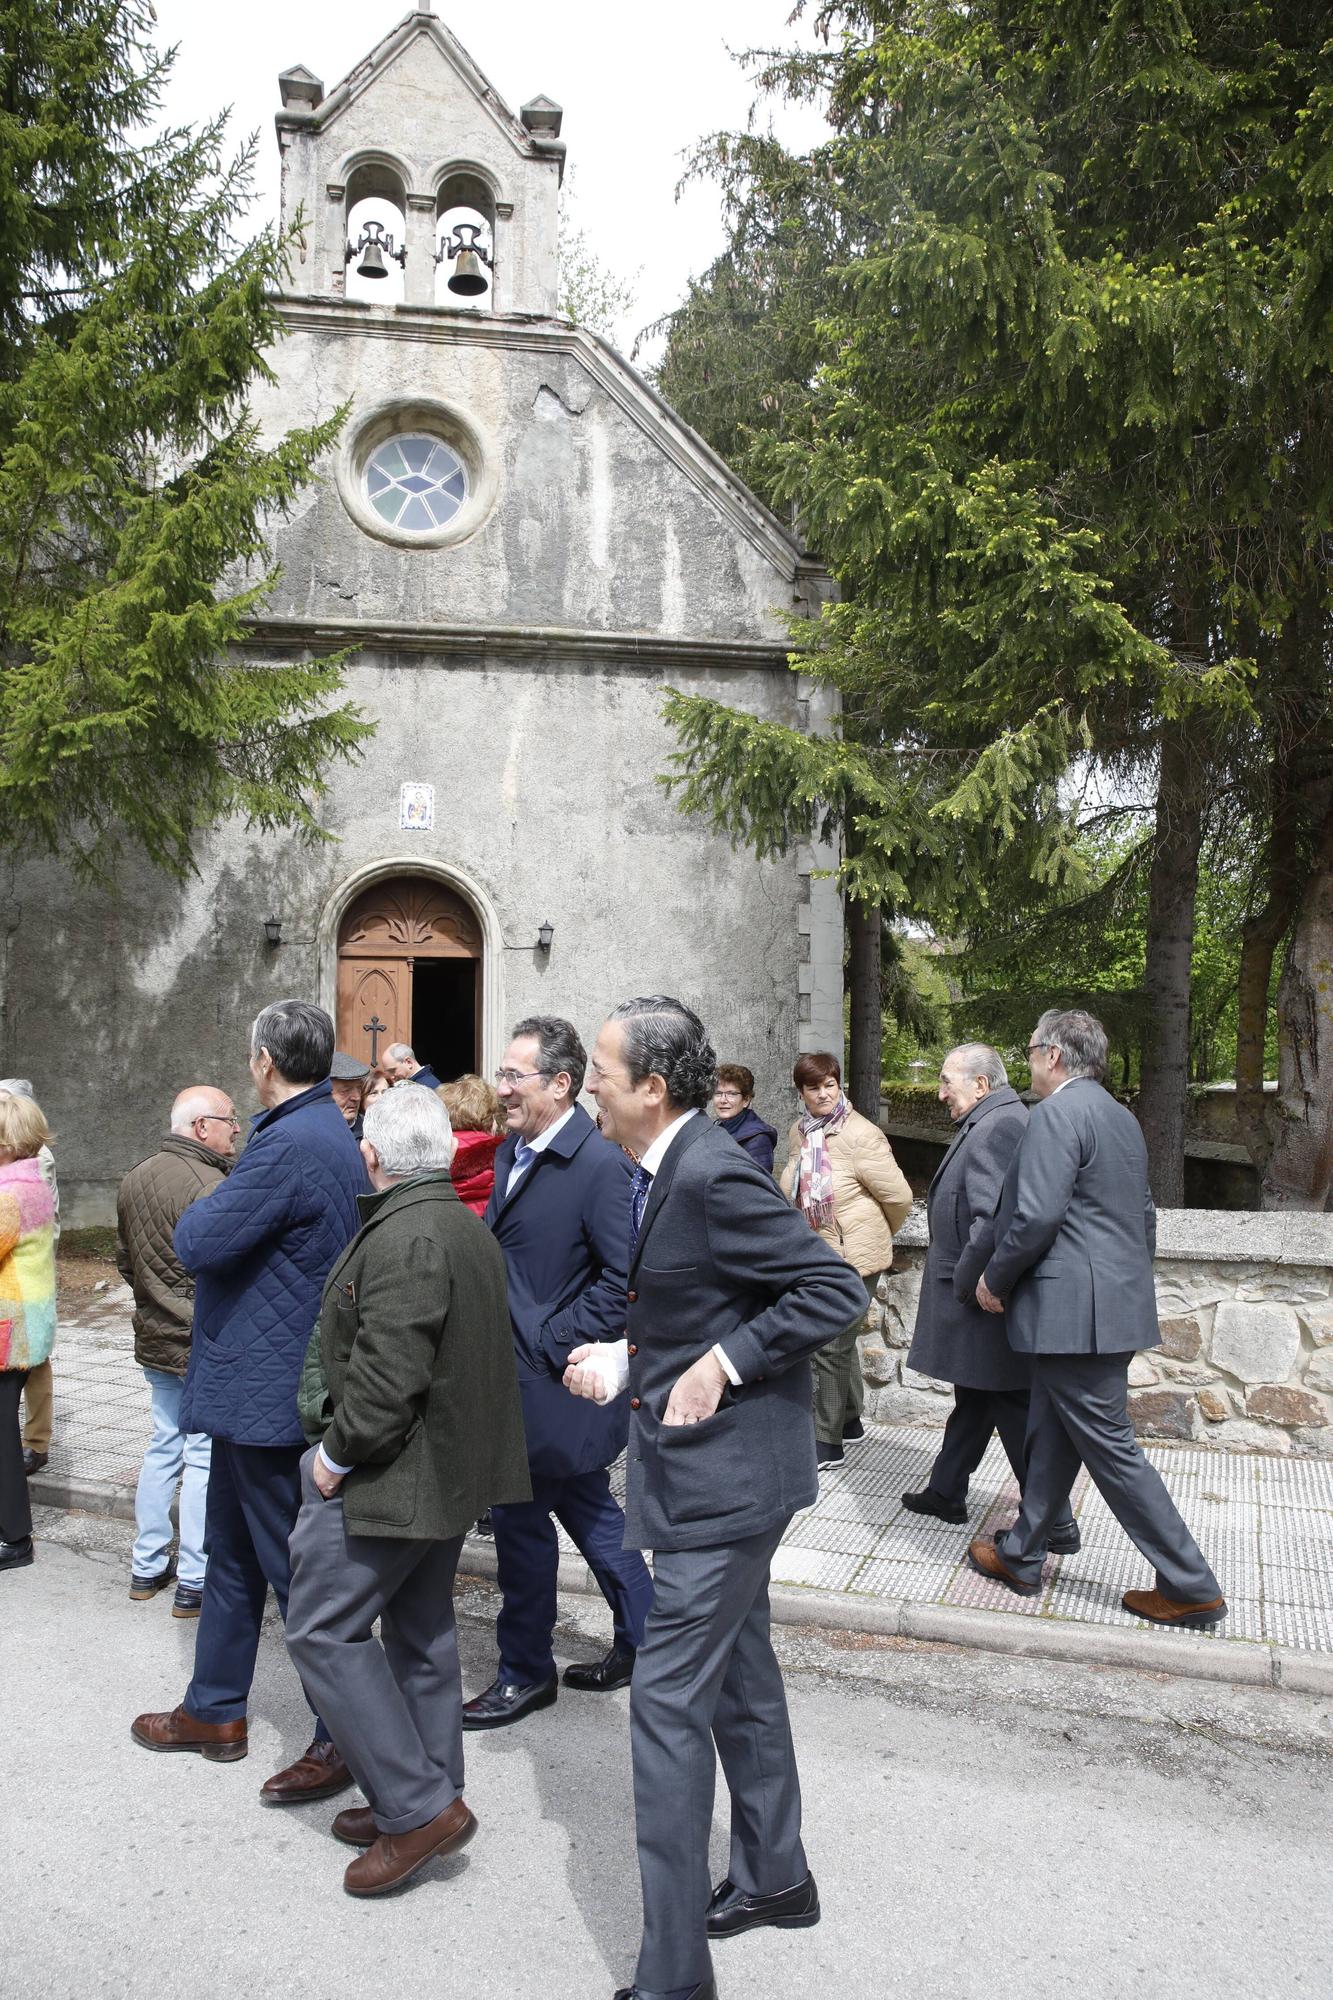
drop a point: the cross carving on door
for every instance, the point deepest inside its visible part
(374, 1027)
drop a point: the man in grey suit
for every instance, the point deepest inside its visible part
(730, 1292)
(1075, 1232)
(954, 1340)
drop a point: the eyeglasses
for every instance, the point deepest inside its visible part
(720, 1094)
(1034, 1046)
(216, 1118)
(513, 1076)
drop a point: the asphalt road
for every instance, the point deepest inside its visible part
(981, 1828)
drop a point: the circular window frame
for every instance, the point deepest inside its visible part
(439, 420)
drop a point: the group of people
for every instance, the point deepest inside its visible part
(349, 1368)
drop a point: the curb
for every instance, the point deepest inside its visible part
(1238, 1662)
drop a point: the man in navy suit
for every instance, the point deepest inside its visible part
(561, 1215)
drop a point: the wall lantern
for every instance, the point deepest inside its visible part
(273, 930)
(372, 246)
(468, 278)
(545, 932)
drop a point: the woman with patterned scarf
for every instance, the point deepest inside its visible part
(843, 1177)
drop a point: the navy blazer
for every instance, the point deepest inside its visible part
(565, 1237)
(723, 1256)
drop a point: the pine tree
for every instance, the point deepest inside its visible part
(1067, 458)
(135, 492)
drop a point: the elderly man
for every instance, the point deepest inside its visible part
(411, 1391)
(347, 1078)
(1071, 1269)
(260, 1249)
(401, 1066)
(954, 1341)
(560, 1213)
(196, 1154)
(730, 1292)
(38, 1390)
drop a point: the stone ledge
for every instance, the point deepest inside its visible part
(1210, 1236)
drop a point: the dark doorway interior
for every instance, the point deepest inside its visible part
(444, 1014)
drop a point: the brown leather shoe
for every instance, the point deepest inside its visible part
(985, 1557)
(318, 1773)
(218, 1742)
(1161, 1610)
(396, 1856)
(356, 1825)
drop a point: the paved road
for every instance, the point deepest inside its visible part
(981, 1828)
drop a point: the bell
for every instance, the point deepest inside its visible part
(372, 263)
(468, 279)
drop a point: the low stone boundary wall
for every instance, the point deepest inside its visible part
(1245, 1309)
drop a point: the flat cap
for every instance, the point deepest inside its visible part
(348, 1069)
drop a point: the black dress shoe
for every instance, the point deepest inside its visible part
(731, 1911)
(616, 1670)
(33, 1461)
(705, 1990)
(16, 1555)
(507, 1701)
(827, 1454)
(1067, 1544)
(853, 1432)
(927, 1502)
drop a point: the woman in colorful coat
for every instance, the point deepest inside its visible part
(27, 1304)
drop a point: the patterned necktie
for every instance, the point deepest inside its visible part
(638, 1201)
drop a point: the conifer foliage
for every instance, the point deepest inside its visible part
(135, 492)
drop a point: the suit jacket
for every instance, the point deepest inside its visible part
(415, 1386)
(954, 1340)
(564, 1233)
(722, 1257)
(1075, 1230)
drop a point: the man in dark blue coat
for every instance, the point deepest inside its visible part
(560, 1213)
(259, 1256)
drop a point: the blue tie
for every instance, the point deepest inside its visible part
(638, 1201)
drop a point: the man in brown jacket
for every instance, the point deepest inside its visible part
(153, 1197)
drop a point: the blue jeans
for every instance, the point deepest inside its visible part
(169, 1452)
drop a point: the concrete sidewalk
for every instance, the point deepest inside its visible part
(859, 1560)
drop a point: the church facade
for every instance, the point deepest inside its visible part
(524, 546)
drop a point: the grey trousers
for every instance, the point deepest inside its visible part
(393, 1705)
(840, 1392)
(707, 1685)
(975, 1414)
(1079, 1414)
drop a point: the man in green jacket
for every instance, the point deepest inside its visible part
(411, 1391)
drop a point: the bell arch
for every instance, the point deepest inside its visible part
(383, 917)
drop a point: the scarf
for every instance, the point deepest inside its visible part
(814, 1171)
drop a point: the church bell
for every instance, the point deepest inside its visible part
(468, 278)
(372, 263)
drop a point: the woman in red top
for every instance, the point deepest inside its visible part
(474, 1112)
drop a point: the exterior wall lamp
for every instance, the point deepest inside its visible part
(545, 932)
(273, 930)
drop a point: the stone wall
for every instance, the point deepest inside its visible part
(1245, 1312)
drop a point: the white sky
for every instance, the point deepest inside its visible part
(640, 85)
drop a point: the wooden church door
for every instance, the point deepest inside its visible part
(409, 970)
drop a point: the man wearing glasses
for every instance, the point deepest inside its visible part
(561, 1215)
(153, 1196)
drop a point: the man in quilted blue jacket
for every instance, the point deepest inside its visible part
(259, 1248)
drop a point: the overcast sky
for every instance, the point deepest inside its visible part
(640, 85)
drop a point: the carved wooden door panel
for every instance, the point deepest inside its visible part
(409, 918)
(374, 1005)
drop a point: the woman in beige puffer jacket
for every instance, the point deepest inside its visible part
(842, 1174)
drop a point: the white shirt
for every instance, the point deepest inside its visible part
(537, 1145)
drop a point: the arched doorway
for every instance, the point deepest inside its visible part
(410, 970)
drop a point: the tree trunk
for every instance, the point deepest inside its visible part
(1172, 886)
(1260, 938)
(865, 1036)
(1300, 1166)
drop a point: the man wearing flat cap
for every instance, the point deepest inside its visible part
(347, 1076)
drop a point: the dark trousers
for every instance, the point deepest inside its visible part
(707, 1685)
(254, 1497)
(527, 1554)
(15, 1506)
(1079, 1414)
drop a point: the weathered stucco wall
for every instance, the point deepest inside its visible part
(1245, 1307)
(546, 797)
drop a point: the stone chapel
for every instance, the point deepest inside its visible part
(524, 545)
